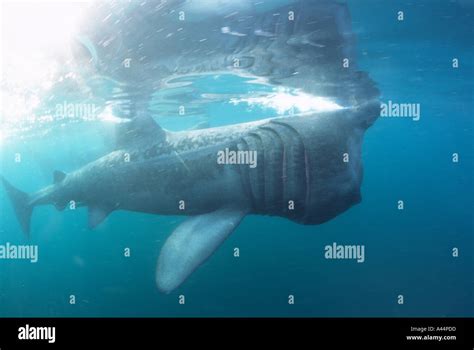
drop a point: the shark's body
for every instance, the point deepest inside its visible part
(308, 167)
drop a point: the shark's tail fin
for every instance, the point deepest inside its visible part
(21, 205)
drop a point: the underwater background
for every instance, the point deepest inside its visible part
(407, 252)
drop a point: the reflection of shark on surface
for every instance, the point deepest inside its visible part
(309, 167)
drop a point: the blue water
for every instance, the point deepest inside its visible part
(407, 252)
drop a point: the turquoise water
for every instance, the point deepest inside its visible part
(407, 252)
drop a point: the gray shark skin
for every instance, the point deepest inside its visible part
(300, 160)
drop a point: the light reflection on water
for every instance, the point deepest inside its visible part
(41, 73)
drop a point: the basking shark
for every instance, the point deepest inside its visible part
(307, 167)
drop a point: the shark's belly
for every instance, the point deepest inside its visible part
(182, 183)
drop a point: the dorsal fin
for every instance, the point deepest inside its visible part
(58, 176)
(141, 128)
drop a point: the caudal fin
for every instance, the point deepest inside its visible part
(20, 202)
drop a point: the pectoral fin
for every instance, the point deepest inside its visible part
(191, 243)
(97, 214)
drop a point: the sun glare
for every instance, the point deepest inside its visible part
(34, 41)
(33, 33)
(284, 102)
